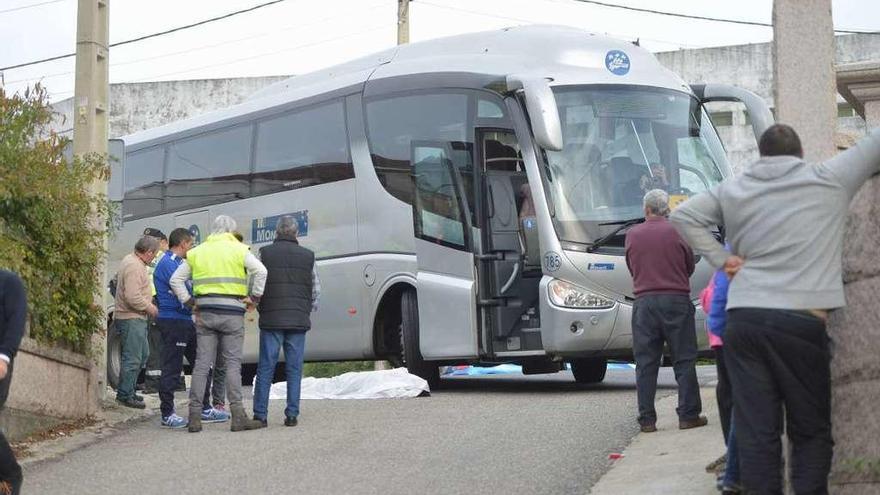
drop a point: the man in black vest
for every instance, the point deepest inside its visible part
(291, 295)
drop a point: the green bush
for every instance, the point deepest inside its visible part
(47, 233)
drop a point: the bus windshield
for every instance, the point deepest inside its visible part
(620, 142)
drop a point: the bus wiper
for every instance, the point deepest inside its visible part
(622, 224)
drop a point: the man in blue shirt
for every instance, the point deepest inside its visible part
(175, 321)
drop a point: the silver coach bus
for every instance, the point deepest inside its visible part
(467, 198)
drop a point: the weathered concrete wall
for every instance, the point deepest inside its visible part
(855, 329)
(49, 385)
(138, 106)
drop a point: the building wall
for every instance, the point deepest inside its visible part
(751, 67)
(138, 106)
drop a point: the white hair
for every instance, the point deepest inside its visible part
(657, 202)
(287, 226)
(223, 224)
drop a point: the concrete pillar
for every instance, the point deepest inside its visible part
(803, 72)
(855, 330)
(90, 136)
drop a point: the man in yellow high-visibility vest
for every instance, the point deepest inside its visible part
(219, 268)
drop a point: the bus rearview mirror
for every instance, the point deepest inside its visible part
(759, 113)
(542, 110)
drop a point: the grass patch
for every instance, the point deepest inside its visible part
(326, 370)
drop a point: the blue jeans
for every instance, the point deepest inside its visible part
(135, 351)
(731, 471)
(270, 343)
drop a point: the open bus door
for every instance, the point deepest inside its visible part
(447, 286)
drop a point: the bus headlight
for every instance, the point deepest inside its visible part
(571, 296)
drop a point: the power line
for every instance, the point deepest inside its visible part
(154, 35)
(205, 47)
(261, 55)
(23, 7)
(704, 18)
(530, 21)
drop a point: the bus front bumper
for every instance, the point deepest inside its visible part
(569, 332)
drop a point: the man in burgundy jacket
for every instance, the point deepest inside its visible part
(661, 264)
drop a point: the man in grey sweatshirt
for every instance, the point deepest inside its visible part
(784, 220)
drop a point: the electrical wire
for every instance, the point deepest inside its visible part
(528, 21)
(149, 36)
(703, 18)
(204, 47)
(23, 7)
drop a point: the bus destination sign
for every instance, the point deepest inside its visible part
(263, 229)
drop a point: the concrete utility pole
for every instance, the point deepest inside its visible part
(90, 136)
(804, 86)
(402, 22)
(803, 73)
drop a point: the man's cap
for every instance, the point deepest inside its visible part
(150, 231)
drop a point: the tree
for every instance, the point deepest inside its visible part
(46, 233)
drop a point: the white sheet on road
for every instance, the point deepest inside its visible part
(384, 384)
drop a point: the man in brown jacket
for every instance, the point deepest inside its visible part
(134, 303)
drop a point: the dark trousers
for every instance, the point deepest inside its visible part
(723, 392)
(665, 318)
(154, 360)
(178, 340)
(780, 358)
(10, 471)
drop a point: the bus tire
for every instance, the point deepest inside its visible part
(409, 333)
(114, 355)
(589, 370)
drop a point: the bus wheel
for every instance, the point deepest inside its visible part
(114, 355)
(589, 370)
(409, 333)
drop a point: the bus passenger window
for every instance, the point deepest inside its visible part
(143, 182)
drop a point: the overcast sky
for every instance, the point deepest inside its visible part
(299, 36)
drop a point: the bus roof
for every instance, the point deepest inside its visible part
(566, 55)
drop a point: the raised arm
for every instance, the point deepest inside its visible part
(694, 219)
(854, 166)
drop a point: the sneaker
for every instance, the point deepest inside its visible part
(139, 398)
(289, 421)
(174, 421)
(214, 415)
(130, 402)
(697, 422)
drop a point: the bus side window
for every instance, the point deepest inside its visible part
(143, 182)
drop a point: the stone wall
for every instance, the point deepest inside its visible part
(49, 385)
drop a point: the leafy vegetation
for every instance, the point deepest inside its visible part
(47, 229)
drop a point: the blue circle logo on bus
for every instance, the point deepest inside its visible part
(617, 62)
(552, 261)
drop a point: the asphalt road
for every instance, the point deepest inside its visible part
(505, 434)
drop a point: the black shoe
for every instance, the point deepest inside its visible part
(288, 421)
(181, 386)
(132, 403)
(697, 422)
(648, 428)
(263, 421)
(149, 390)
(139, 398)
